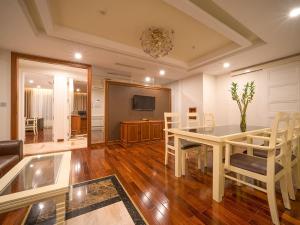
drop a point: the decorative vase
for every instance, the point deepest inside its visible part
(243, 124)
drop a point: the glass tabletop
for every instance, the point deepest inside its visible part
(38, 172)
(220, 131)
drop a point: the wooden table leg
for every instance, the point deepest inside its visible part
(218, 173)
(60, 202)
(178, 156)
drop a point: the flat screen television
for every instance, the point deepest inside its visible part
(143, 103)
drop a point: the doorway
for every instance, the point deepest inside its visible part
(52, 104)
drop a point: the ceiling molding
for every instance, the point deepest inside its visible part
(268, 64)
(187, 7)
(200, 15)
(65, 33)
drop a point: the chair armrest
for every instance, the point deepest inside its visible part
(259, 137)
(13, 147)
(242, 144)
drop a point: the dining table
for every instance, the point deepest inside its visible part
(215, 137)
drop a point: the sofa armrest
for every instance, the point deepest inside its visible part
(13, 147)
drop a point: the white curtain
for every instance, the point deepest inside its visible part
(40, 102)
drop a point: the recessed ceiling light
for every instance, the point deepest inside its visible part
(147, 79)
(294, 12)
(78, 89)
(162, 72)
(77, 55)
(31, 81)
(38, 86)
(226, 65)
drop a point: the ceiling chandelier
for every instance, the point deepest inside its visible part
(157, 42)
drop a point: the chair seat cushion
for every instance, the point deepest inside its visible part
(264, 154)
(252, 163)
(185, 144)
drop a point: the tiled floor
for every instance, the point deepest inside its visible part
(100, 201)
(46, 147)
(115, 214)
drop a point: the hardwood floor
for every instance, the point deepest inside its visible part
(44, 135)
(164, 199)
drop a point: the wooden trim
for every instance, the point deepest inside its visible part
(106, 105)
(106, 117)
(137, 85)
(15, 57)
(14, 97)
(51, 60)
(89, 107)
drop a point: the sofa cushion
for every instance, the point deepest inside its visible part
(7, 162)
(252, 163)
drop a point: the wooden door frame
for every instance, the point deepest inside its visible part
(15, 57)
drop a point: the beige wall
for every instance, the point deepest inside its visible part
(5, 77)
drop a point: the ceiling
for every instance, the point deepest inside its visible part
(114, 20)
(242, 33)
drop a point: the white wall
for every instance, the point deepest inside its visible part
(187, 93)
(209, 94)
(5, 78)
(277, 89)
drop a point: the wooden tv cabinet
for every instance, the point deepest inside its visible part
(141, 131)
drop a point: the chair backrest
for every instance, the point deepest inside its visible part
(294, 125)
(294, 132)
(209, 120)
(193, 119)
(172, 120)
(31, 121)
(280, 128)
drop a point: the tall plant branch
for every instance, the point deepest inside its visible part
(247, 95)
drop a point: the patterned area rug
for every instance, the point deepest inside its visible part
(100, 201)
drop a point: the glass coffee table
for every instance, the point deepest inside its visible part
(35, 179)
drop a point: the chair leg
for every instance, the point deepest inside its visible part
(199, 159)
(239, 177)
(284, 192)
(272, 202)
(184, 157)
(290, 185)
(166, 155)
(297, 174)
(205, 156)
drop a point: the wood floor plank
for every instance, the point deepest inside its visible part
(163, 198)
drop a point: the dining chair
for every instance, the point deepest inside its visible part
(293, 154)
(193, 119)
(295, 148)
(31, 125)
(268, 170)
(172, 120)
(209, 120)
